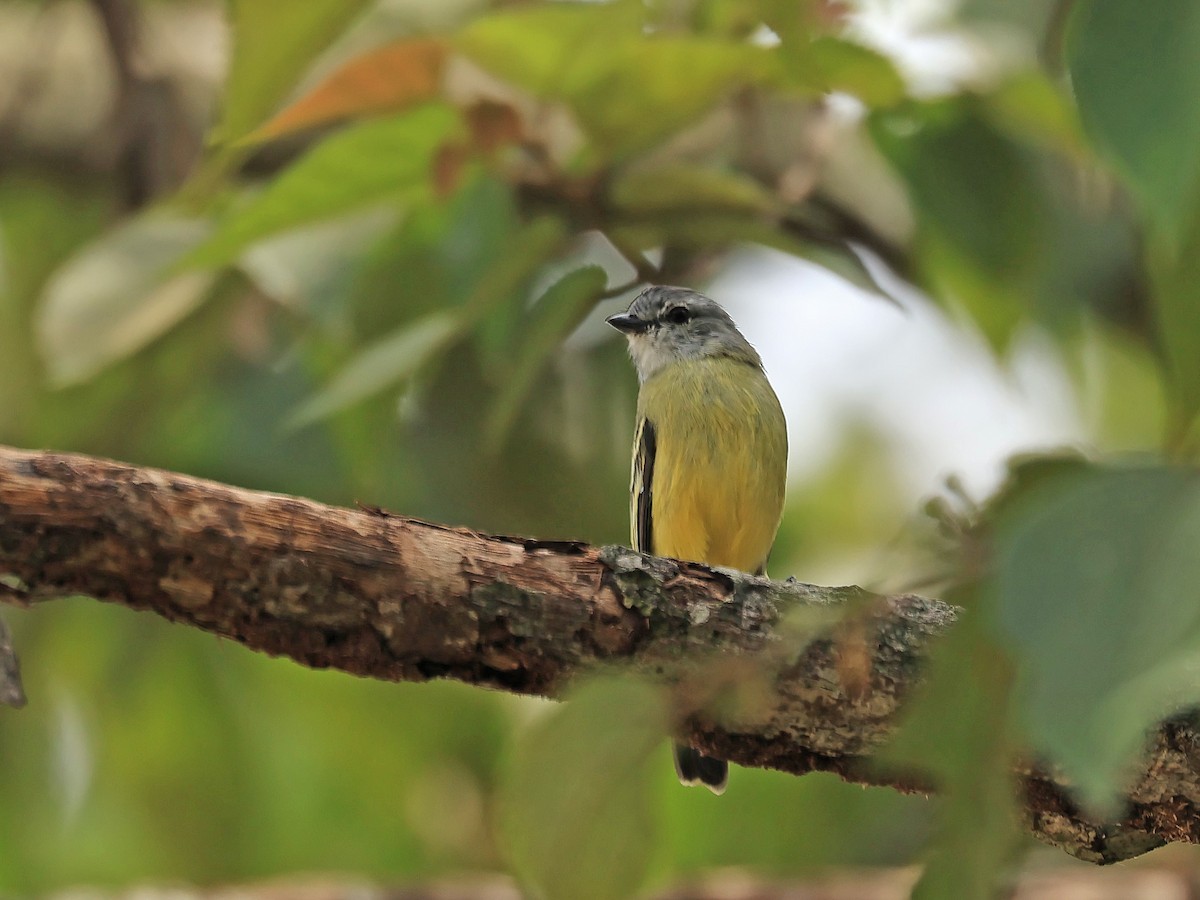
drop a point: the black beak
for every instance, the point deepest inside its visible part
(627, 324)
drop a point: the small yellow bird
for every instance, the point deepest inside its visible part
(709, 451)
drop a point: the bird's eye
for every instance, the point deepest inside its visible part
(677, 315)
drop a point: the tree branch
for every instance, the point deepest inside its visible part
(391, 597)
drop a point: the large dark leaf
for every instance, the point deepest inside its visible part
(1136, 75)
(1096, 588)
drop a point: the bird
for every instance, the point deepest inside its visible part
(709, 450)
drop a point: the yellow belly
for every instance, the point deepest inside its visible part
(720, 463)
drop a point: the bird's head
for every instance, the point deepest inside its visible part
(667, 324)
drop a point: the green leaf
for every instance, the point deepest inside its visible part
(1136, 76)
(117, 295)
(439, 252)
(982, 216)
(970, 185)
(577, 802)
(517, 259)
(1031, 107)
(381, 365)
(1177, 303)
(1130, 409)
(494, 305)
(377, 161)
(1096, 588)
(411, 347)
(537, 47)
(555, 315)
(627, 89)
(957, 729)
(644, 89)
(274, 42)
(834, 64)
(309, 268)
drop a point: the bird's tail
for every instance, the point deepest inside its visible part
(693, 767)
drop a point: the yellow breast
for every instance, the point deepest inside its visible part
(720, 463)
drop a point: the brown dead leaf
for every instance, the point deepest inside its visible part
(386, 79)
(493, 125)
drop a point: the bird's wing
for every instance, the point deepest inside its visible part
(640, 488)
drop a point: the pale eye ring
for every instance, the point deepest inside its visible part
(677, 315)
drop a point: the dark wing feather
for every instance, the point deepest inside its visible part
(692, 766)
(641, 490)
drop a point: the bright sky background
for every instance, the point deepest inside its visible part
(839, 356)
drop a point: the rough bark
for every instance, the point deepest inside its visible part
(390, 597)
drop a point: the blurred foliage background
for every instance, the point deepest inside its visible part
(360, 250)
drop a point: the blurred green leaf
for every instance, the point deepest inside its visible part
(378, 161)
(435, 257)
(964, 287)
(537, 47)
(275, 41)
(1032, 107)
(1124, 392)
(981, 213)
(485, 309)
(1096, 588)
(957, 729)
(835, 64)
(626, 89)
(1136, 76)
(516, 259)
(1177, 303)
(381, 365)
(645, 89)
(987, 212)
(495, 305)
(309, 268)
(577, 811)
(118, 294)
(555, 315)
